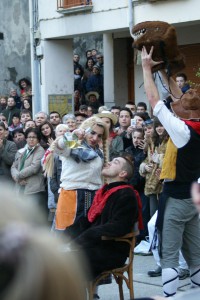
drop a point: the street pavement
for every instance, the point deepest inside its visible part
(144, 286)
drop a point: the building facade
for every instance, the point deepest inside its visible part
(60, 21)
(14, 43)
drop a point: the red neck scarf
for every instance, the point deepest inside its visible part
(113, 134)
(195, 125)
(101, 198)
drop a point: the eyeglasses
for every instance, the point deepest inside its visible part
(32, 137)
(2, 120)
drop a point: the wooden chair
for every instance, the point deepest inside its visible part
(119, 274)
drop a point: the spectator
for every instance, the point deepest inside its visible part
(27, 171)
(151, 167)
(99, 58)
(76, 59)
(115, 141)
(70, 121)
(131, 106)
(88, 54)
(40, 118)
(141, 107)
(83, 109)
(77, 79)
(19, 138)
(47, 134)
(87, 74)
(91, 111)
(181, 80)
(24, 85)
(27, 104)
(124, 123)
(8, 150)
(25, 116)
(10, 110)
(13, 93)
(94, 54)
(3, 103)
(29, 124)
(138, 156)
(15, 122)
(77, 100)
(80, 118)
(55, 119)
(95, 83)
(93, 100)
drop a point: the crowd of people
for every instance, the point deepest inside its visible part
(60, 162)
(88, 80)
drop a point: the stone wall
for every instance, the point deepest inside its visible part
(87, 42)
(14, 43)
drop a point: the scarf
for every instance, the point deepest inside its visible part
(102, 196)
(26, 154)
(195, 125)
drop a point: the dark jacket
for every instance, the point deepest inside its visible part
(138, 156)
(117, 219)
(7, 156)
(55, 179)
(9, 112)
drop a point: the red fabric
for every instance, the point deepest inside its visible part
(194, 125)
(113, 134)
(101, 198)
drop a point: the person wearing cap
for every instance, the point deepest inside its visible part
(92, 99)
(95, 83)
(181, 166)
(115, 141)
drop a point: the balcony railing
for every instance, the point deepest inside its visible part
(65, 4)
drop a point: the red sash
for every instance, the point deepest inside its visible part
(101, 198)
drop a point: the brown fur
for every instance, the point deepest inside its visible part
(163, 37)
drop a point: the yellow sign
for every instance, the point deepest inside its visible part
(60, 103)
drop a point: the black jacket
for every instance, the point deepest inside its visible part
(117, 219)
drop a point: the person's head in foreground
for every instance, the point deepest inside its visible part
(33, 265)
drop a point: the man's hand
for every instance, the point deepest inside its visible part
(147, 61)
(195, 191)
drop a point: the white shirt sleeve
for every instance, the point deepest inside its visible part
(176, 128)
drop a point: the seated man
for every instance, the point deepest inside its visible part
(113, 213)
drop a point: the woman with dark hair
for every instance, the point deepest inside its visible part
(47, 134)
(8, 150)
(26, 170)
(151, 166)
(87, 73)
(24, 85)
(27, 104)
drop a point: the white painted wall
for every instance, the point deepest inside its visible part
(107, 17)
(112, 16)
(56, 69)
(120, 71)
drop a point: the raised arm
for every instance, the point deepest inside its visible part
(149, 84)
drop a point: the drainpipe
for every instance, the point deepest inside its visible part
(35, 65)
(130, 16)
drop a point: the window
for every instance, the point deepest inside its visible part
(65, 4)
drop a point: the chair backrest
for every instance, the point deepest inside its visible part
(127, 238)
